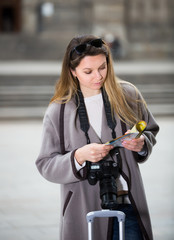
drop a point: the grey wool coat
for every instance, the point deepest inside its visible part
(61, 137)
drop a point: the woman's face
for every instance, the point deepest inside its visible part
(91, 73)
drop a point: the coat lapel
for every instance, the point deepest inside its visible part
(106, 132)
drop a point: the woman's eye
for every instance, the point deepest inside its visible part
(88, 72)
(102, 68)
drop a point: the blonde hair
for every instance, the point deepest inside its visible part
(67, 85)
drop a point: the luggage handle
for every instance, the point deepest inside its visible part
(106, 213)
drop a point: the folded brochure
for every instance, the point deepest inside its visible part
(135, 132)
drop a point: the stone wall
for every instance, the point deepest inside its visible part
(144, 28)
(149, 27)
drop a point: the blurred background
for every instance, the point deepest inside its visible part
(33, 38)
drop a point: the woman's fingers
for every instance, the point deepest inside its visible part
(135, 145)
(98, 151)
(93, 152)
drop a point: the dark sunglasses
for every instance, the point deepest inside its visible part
(79, 49)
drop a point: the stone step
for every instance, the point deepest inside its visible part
(28, 86)
(41, 95)
(47, 68)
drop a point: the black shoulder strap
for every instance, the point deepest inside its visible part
(61, 128)
(123, 126)
(111, 121)
(84, 123)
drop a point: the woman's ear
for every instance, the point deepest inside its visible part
(73, 72)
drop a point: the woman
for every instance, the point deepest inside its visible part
(90, 107)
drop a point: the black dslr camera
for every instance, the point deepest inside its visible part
(105, 172)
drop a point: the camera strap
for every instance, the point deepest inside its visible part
(84, 123)
(110, 119)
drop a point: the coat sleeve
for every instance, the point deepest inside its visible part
(150, 131)
(52, 165)
(150, 136)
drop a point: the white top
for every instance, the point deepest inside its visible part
(94, 106)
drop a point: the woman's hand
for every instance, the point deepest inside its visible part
(135, 144)
(93, 152)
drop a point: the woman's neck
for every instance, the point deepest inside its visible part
(87, 93)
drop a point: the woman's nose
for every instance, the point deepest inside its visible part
(98, 75)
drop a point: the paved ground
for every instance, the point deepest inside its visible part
(29, 205)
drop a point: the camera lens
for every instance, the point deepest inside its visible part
(109, 201)
(108, 193)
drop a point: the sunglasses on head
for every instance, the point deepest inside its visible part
(79, 49)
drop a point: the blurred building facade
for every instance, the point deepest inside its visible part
(39, 29)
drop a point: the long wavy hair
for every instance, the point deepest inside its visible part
(67, 85)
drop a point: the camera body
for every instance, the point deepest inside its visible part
(106, 173)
